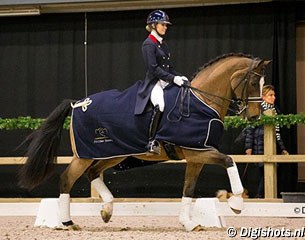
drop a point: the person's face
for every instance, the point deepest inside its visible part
(161, 28)
(269, 97)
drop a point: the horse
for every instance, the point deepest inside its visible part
(230, 78)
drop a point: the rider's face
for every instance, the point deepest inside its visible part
(161, 28)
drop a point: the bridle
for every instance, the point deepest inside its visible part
(240, 103)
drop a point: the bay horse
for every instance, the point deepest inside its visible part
(216, 84)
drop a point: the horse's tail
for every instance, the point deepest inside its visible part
(42, 146)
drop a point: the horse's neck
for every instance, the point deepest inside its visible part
(215, 80)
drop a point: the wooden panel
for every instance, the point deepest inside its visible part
(270, 173)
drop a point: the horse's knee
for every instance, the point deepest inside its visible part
(229, 162)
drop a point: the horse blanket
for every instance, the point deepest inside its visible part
(104, 124)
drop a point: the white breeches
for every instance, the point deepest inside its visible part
(157, 95)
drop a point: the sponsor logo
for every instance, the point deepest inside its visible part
(101, 135)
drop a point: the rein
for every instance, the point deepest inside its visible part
(231, 101)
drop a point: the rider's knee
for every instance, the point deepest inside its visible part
(161, 106)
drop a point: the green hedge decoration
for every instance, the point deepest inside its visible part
(230, 121)
(26, 123)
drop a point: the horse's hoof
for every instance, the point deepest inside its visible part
(74, 227)
(236, 203)
(105, 216)
(198, 228)
(236, 211)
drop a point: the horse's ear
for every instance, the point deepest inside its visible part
(266, 62)
(263, 63)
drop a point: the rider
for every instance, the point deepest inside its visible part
(159, 73)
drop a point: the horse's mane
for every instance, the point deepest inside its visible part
(221, 57)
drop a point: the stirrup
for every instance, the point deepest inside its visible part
(154, 147)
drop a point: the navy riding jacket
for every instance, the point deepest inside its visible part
(158, 63)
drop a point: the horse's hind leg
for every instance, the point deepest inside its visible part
(67, 179)
(95, 174)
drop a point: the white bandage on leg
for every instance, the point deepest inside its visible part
(185, 209)
(64, 207)
(157, 96)
(185, 214)
(236, 185)
(102, 189)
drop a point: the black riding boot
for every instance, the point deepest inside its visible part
(153, 145)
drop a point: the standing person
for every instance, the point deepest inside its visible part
(254, 142)
(160, 73)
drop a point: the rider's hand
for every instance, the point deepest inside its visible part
(179, 80)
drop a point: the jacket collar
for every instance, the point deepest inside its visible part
(155, 37)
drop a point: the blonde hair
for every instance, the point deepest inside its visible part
(266, 89)
(148, 28)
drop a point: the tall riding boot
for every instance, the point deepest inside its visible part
(153, 145)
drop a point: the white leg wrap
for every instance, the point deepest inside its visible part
(64, 207)
(185, 213)
(236, 185)
(102, 189)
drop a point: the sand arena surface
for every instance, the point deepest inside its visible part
(138, 228)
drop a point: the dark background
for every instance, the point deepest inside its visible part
(42, 62)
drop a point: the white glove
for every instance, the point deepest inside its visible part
(179, 80)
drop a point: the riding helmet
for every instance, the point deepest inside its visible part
(158, 16)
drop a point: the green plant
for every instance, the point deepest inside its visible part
(26, 123)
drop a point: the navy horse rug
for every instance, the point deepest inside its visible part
(104, 124)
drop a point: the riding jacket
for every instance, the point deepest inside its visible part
(158, 63)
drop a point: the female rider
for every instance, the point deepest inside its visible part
(159, 73)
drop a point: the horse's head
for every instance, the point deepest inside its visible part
(247, 86)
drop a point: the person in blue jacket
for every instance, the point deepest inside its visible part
(160, 73)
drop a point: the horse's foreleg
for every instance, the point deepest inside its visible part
(67, 179)
(191, 176)
(95, 174)
(235, 201)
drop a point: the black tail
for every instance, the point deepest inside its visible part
(42, 146)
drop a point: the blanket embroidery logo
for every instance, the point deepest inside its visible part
(101, 135)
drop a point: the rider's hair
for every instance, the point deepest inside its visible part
(149, 27)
